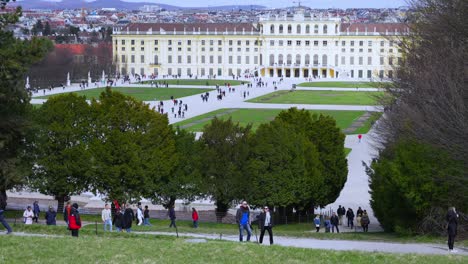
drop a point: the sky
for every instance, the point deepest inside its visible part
(282, 3)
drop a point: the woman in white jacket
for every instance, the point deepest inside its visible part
(28, 216)
(139, 215)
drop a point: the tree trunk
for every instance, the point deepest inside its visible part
(3, 199)
(221, 211)
(60, 203)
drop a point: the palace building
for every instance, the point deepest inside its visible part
(291, 46)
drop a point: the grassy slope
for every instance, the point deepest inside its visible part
(258, 116)
(318, 97)
(201, 82)
(144, 94)
(340, 84)
(368, 124)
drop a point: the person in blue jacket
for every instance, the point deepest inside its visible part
(317, 222)
(4, 222)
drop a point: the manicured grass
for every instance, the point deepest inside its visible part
(318, 97)
(347, 151)
(341, 84)
(143, 94)
(200, 82)
(158, 249)
(259, 116)
(368, 124)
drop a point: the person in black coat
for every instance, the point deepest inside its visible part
(172, 216)
(128, 218)
(4, 222)
(452, 224)
(350, 217)
(265, 222)
(118, 220)
(334, 220)
(51, 216)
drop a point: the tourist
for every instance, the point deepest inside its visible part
(172, 216)
(327, 224)
(243, 220)
(146, 216)
(359, 211)
(334, 220)
(265, 223)
(36, 211)
(350, 217)
(128, 218)
(195, 218)
(452, 224)
(139, 215)
(51, 216)
(106, 216)
(74, 220)
(341, 212)
(317, 223)
(28, 216)
(359, 137)
(118, 220)
(4, 222)
(66, 212)
(365, 221)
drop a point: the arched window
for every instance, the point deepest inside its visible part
(289, 59)
(272, 59)
(281, 29)
(325, 29)
(289, 29)
(315, 29)
(324, 60)
(156, 59)
(307, 29)
(272, 29)
(307, 59)
(280, 59)
(298, 59)
(298, 29)
(315, 59)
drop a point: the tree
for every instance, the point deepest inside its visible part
(133, 147)
(47, 31)
(15, 58)
(224, 159)
(61, 148)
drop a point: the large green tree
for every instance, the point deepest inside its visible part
(15, 58)
(61, 147)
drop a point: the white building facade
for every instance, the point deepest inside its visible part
(294, 46)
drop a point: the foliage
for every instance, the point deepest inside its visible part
(409, 179)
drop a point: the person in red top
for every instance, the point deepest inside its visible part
(195, 218)
(359, 137)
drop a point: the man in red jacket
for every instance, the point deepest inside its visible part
(195, 218)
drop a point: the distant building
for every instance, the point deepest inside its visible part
(290, 46)
(150, 8)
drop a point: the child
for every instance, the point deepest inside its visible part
(327, 224)
(146, 215)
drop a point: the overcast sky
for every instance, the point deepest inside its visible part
(283, 3)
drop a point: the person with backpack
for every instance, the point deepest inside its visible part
(74, 220)
(365, 221)
(334, 220)
(51, 216)
(194, 217)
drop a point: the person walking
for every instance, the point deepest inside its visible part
(146, 216)
(66, 212)
(243, 220)
(118, 220)
(139, 215)
(28, 216)
(341, 212)
(172, 216)
(317, 223)
(51, 216)
(452, 225)
(194, 217)
(74, 220)
(128, 218)
(365, 221)
(350, 217)
(334, 220)
(265, 223)
(4, 222)
(106, 216)
(36, 211)
(359, 137)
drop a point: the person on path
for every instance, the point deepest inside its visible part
(359, 211)
(36, 211)
(4, 222)
(359, 137)
(350, 217)
(327, 224)
(74, 220)
(194, 217)
(128, 218)
(118, 220)
(139, 215)
(334, 220)
(51, 216)
(28, 216)
(243, 220)
(106, 216)
(146, 216)
(265, 223)
(341, 212)
(365, 221)
(317, 223)
(172, 216)
(66, 212)
(452, 225)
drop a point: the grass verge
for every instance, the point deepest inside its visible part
(201, 82)
(341, 84)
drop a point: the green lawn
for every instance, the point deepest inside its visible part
(258, 116)
(319, 97)
(201, 82)
(341, 84)
(347, 151)
(143, 94)
(368, 124)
